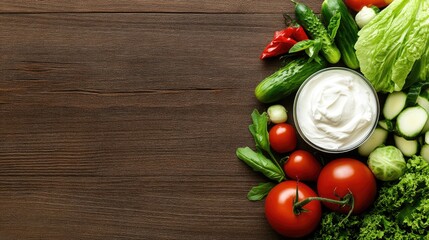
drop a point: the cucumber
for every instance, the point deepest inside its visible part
(316, 30)
(407, 147)
(347, 33)
(421, 139)
(287, 79)
(377, 138)
(394, 104)
(425, 93)
(411, 121)
(426, 127)
(387, 125)
(426, 138)
(424, 103)
(414, 92)
(424, 152)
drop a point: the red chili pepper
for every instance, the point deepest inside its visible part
(287, 32)
(299, 34)
(280, 44)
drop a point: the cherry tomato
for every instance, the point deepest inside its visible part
(357, 5)
(280, 213)
(302, 165)
(342, 175)
(282, 138)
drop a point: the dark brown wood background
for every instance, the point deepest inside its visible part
(120, 119)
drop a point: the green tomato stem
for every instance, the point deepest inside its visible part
(348, 199)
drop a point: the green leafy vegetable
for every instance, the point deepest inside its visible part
(258, 162)
(313, 51)
(390, 44)
(333, 25)
(400, 212)
(260, 192)
(420, 71)
(311, 48)
(259, 131)
(301, 45)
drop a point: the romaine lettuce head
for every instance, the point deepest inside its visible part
(390, 44)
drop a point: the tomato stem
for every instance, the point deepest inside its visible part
(348, 199)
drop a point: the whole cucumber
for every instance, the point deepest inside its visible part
(315, 29)
(347, 33)
(287, 79)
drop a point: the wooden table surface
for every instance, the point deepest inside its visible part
(120, 119)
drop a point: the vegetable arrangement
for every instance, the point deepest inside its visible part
(381, 189)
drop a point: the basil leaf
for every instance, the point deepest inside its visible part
(334, 24)
(313, 50)
(259, 163)
(259, 192)
(259, 130)
(301, 45)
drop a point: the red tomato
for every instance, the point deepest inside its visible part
(302, 165)
(279, 210)
(357, 5)
(282, 138)
(342, 175)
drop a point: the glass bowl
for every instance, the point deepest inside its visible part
(336, 110)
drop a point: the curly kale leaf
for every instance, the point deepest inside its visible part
(334, 227)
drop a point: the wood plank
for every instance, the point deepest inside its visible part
(204, 6)
(124, 126)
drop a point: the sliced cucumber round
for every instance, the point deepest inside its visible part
(394, 104)
(387, 125)
(424, 152)
(411, 121)
(407, 147)
(377, 138)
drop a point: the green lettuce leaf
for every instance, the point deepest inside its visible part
(392, 42)
(420, 71)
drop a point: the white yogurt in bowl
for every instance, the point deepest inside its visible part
(336, 110)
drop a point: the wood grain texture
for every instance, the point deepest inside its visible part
(125, 125)
(203, 6)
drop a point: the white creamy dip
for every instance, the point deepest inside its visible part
(336, 110)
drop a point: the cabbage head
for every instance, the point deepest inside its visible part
(387, 163)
